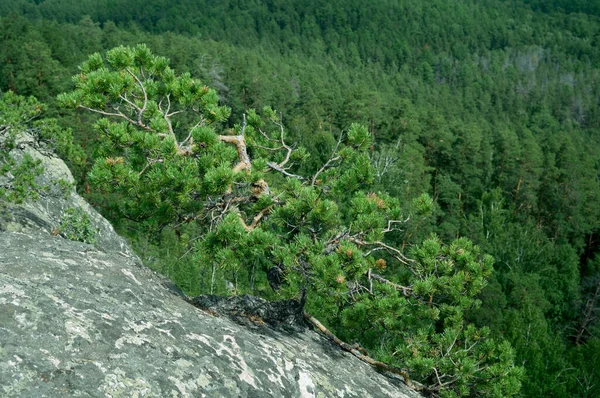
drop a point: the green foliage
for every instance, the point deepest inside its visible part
(21, 176)
(419, 322)
(61, 140)
(17, 111)
(75, 224)
(17, 114)
(154, 127)
(169, 163)
(489, 109)
(441, 346)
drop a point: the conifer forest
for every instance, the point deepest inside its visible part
(424, 176)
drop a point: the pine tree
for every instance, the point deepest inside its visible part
(325, 238)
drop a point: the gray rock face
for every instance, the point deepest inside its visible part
(83, 320)
(45, 214)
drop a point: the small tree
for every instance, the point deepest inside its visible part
(323, 237)
(18, 175)
(17, 179)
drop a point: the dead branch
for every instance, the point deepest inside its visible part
(332, 159)
(243, 133)
(406, 291)
(358, 354)
(439, 385)
(283, 144)
(256, 218)
(397, 254)
(139, 82)
(150, 163)
(240, 144)
(120, 115)
(390, 227)
(588, 315)
(131, 103)
(278, 168)
(334, 242)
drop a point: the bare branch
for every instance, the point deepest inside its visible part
(282, 140)
(256, 218)
(360, 355)
(240, 143)
(391, 222)
(120, 115)
(170, 125)
(176, 112)
(588, 315)
(266, 136)
(139, 82)
(397, 254)
(243, 133)
(439, 386)
(182, 143)
(268, 149)
(334, 242)
(150, 162)
(454, 341)
(332, 159)
(199, 123)
(278, 168)
(406, 291)
(124, 98)
(437, 376)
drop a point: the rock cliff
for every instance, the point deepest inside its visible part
(90, 320)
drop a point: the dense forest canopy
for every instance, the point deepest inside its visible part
(491, 109)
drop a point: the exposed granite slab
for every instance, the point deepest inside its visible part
(78, 321)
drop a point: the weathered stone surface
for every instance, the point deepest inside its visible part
(46, 213)
(83, 320)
